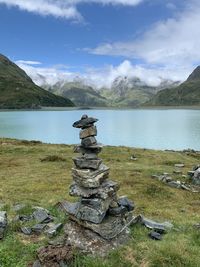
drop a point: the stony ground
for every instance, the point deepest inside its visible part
(39, 174)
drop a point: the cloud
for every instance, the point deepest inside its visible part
(175, 41)
(61, 8)
(104, 77)
(28, 62)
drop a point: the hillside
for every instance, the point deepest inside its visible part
(17, 90)
(186, 94)
(49, 167)
(80, 94)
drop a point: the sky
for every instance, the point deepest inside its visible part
(99, 40)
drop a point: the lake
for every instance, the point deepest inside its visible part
(148, 128)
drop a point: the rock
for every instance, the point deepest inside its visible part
(68, 207)
(93, 209)
(191, 173)
(38, 228)
(125, 202)
(37, 264)
(42, 216)
(83, 163)
(91, 131)
(110, 227)
(155, 236)
(196, 177)
(107, 189)
(158, 227)
(53, 229)
(121, 210)
(90, 178)
(95, 149)
(177, 171)
(84, 123)
(88, 141)
(87, 241)
(175, 184)
(53, 256)
(179, 165)
(26, 230)
(23, 218)
(3, 223)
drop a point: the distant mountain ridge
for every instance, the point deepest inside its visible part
(17, 90)
(186, 94)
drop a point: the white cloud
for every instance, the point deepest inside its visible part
(28, 62)
(103, 77)
(175, 41)
(61, 8)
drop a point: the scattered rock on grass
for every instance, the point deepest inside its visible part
(3, 223)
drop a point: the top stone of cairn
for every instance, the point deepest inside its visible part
(84, 122)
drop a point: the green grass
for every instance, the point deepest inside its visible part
(26, 178)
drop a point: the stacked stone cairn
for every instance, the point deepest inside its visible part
(98, 209)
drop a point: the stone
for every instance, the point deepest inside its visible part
(175, 184)
(177, 171)
(26, 230)
(53, 229)
(155, 236)
(89, 242)
(121, 210)
(179, 165)
(158, 227)
(196, 177)
(84, 123)
(23, 218)
(68, 207)
(83, 163)
(91, 131)
(110, 227)
(93, 209)
(38, 228)
(89, 141)
(125, 202)
(42, 216)
(107, 189)
(18, 207)
(37, 264)
(191, 173)
(90, 178)
(95, 149)
(3, 223)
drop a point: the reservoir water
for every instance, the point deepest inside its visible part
(158, 129)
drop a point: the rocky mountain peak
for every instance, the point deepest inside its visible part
(195, 75)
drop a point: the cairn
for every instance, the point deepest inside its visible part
(99, 208)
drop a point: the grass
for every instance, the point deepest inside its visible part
(25, 178)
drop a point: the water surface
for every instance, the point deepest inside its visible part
(158, 129)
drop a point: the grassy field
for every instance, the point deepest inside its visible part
(39, 174)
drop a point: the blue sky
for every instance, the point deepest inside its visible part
(99, 37)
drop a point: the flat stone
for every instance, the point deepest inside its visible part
(158, 227)
(83, 163)
(196, 177)
(23, 218)
(90, 178)
(175, 184)
(42, 216)
(26, 230)
(88, 141)
(94, 149)
(89, 242)
(68, 207)
(107, 189)
(177, 171)
(93, 210)
(121, 210)
(155, 236)
(110, 227)
(179, 165)
(91, 131)
(53, 229)
(84, 123)
(38, 228)
(125, 202)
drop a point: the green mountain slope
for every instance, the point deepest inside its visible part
(80, 94)
(186, 94)
(17, 90)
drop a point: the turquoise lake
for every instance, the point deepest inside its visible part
(158, 129)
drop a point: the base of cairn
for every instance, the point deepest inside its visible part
(87, 241)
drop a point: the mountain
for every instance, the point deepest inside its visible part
(79, 93)
(17, 90)
(186, 94)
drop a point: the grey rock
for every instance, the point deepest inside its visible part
(125, 202)
(91, 131)
(110, 227)
(191, 173)
(3, 223)
(90, 242)
(83, 163)
(90, 178)
(177, 171)
(179, 165)
(121, 210)
(95, 149)
(53, 229)
(26, 230)
(68, 207)
(88, 141)
(23, 218)
(84, 123)
(155, 236)
(42, 216)
(107, 189)
(37, 264)
(38, 228)
(158, 227)
(18, 207)
(175, 184)
(196, 177)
